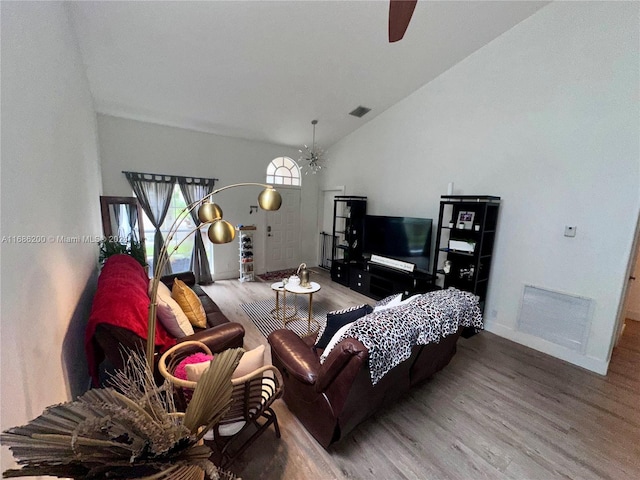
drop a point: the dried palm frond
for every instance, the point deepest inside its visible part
(132, 432)
(214, 383)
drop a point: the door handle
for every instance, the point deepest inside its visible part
(632, 278)
(268, 230)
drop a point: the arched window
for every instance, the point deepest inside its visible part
(283, 171)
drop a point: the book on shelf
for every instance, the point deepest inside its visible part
(466, 246)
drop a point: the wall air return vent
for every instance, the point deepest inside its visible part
(557, 317)
(360, 111)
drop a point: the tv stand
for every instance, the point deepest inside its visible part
(378, 281)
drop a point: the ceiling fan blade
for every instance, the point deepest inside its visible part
(400, 12)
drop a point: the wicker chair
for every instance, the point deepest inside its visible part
(253, 395)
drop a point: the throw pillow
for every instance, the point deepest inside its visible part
(199, 358)
(334, 341)
(338, 318)
(190, 303)
(195, 370)
(170, 314)
(389, 302)
(250, 361)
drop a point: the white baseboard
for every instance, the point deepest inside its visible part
(590, 363)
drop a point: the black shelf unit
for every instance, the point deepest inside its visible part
(348, 232)
(466, 248)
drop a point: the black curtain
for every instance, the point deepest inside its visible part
(193, 190)
(154, 194)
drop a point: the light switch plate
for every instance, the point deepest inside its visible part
(570, 231)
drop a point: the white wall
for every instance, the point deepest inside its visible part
(546, 116)
(50, 187)
(129, 145)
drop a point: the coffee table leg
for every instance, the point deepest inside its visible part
(310, 312)
(284, 308)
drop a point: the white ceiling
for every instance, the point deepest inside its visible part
(263, 70)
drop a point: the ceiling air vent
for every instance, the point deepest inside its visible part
(360, 111)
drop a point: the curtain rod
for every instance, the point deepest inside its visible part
(168, 177)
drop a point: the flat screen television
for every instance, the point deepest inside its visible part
(402, 238)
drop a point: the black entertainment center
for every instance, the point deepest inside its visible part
(380, 255)
(377, 281)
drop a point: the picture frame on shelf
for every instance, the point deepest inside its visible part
(465, 220)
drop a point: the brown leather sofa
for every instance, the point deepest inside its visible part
(121, 293)
(332, 398)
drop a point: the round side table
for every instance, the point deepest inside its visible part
(281, 312)
(298, 290)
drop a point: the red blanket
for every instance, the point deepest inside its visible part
(122, 300)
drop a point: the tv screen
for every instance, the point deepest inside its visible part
(402, 238)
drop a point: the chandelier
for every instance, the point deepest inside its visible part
(311, 158)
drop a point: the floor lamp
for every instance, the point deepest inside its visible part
(220, 231)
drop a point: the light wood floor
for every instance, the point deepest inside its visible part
(499, 410)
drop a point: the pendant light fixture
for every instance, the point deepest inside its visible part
(311, 158)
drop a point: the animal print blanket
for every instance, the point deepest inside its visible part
(390, 334)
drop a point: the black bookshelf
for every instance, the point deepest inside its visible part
(467, 226)
(348, 232)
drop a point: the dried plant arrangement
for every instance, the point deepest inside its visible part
(131, 430)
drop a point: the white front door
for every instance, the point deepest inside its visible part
(283, 232)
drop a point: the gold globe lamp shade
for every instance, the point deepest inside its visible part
(209, 212)
(221, 231)
(269, 199)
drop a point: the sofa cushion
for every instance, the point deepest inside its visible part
(338, 318)
(190, 303)
(216, 318)
(170, 314)
(209, 305)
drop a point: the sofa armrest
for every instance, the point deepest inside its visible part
(339, 357)
(219, 338)
(295, 356)
(187, 277)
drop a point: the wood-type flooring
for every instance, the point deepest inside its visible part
(499, 410)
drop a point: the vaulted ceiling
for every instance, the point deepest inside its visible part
(263, 70)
